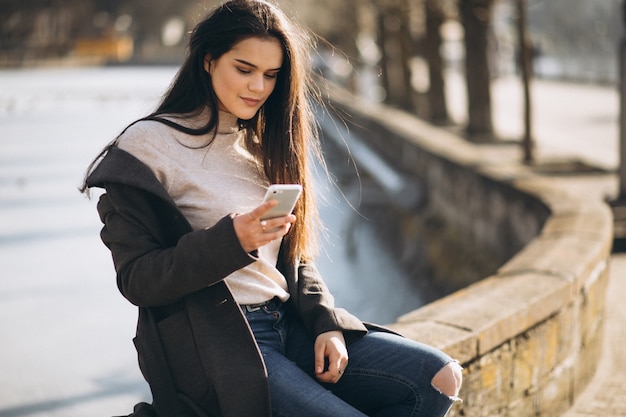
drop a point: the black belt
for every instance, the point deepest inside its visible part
(255, 307)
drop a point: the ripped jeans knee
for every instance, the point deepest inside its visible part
(448, 380)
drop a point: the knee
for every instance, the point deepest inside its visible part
(448, 380)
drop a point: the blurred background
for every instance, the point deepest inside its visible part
(570, 39)
(376, 48)
(74, 73)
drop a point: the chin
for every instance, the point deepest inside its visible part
(247, 115)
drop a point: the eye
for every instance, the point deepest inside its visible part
(243, 70)
(272, 76)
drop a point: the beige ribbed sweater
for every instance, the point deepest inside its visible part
(208, 183)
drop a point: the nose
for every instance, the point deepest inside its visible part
(257, 83)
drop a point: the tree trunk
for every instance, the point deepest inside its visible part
(405, 40)
(395, 44)
(526, 69)
(438, 109)
(381, 39)
(476, 17)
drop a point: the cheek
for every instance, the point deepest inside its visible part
(234, 82)
(224, 85)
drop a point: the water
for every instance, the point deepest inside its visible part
(66, 331)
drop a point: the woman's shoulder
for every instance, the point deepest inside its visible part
(164, 131)
(150, 142)
(146, 137)
(143, 131)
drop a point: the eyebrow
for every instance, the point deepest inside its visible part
(241, 61)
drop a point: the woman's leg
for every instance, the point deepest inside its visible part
(294, 393)
(388, 375)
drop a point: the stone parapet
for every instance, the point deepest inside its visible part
(529, 335)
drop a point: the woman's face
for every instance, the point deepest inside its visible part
(244, 77)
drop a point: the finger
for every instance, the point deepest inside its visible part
(335, 366)
(278, 226)
(327, 377)
(260, 210)
(320, 351)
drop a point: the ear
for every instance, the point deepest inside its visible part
(207, 63)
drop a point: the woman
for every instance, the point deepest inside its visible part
(234, 318)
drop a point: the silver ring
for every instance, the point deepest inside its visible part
(263, 224)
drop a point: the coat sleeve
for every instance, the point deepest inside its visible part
(156, 263)
(316, 306)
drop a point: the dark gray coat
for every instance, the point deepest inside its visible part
(175, 275)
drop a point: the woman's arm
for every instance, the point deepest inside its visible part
(157, 258)
(316, 306)
(333, 328)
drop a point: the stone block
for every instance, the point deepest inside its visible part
(487, 385)
(523, 406)
(571, 257)
(497, 309)
(535, 356)
(458, 343)
(557, 197)
(587, 359)
(592, 304)
(590, 220)
(555, 396)
(568, 331)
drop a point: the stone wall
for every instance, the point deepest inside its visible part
(529, 335)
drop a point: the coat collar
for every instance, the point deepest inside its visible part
(120, 167)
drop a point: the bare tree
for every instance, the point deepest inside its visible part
(394, 39)
(476, 17)
(435, 17)
(526, 68)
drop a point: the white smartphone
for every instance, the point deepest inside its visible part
(286, 194)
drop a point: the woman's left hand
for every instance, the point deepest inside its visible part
(331, 345)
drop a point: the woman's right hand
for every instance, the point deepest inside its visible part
(254, 233)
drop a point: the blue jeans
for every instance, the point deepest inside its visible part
(387, 375)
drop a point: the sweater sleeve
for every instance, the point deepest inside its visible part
(154, 264)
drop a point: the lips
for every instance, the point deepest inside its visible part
(252, 102)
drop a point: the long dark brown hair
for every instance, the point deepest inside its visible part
(284, 126)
